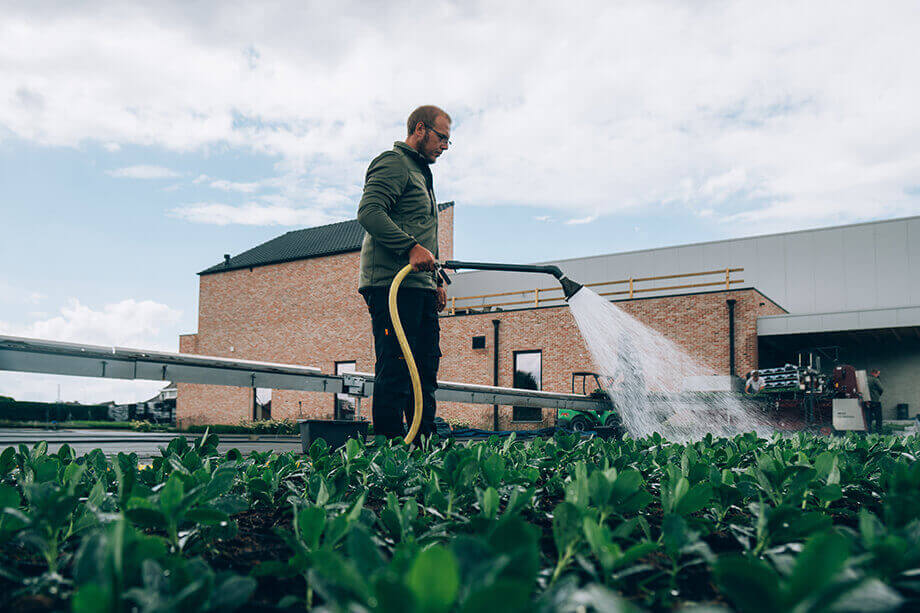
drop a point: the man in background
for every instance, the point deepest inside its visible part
(399, 213)
(754, 383)
(874, 406)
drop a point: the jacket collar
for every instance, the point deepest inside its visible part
(412, 153)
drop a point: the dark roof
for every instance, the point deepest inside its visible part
(304, 244)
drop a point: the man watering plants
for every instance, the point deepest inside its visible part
(400, 214)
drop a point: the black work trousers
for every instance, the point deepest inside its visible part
(418, 312)
(874, 414)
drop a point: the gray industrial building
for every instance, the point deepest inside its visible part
(852, 293)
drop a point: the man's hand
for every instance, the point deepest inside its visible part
(442, 298)
(421, 259)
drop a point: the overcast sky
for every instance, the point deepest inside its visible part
(140, 143)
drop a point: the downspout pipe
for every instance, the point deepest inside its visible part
(495, 324)
(731, 336)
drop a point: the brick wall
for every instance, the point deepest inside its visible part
(446, 234)
(696, 322)
(309, 313)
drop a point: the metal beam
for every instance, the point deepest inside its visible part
(52, 357)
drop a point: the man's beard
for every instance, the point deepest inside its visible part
(427, 153)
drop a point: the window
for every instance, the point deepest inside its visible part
(262, 408)
(344, 404)
(528, 375)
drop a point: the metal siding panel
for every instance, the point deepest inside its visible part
(800, 272)
(767, 326)
(743, 254)
(878, 319)
(859, 271)
(891, 265)
(913, 259)
(771, 271)
(829, 292)
(909, 316)
(839, 321)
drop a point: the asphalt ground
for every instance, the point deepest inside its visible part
(144, 444)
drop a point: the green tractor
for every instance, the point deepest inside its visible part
(581, 421)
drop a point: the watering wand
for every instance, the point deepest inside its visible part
(569, 288)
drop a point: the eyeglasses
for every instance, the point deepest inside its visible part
(444, 138)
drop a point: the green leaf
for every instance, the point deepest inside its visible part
(221, 481)
(232, 593)
(310, 523)
(823, 557)
(434, 579)
(830, 493)
(147, 518)
(695, 499)
(171, 495)
(823, 464)
(503, 596)
(627, 483)
(567, 527)
(92, 598)
(750, 584)
(489, 503)
(518, 540)
(9, 497)
(363, 552)
(600, 488)
(493, 469)
(206, 516)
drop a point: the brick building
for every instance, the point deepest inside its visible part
(294, 300)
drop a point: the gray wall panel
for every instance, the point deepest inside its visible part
(890, 249)
(862, 266)
(859, 255)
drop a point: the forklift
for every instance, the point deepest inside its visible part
(582, 421)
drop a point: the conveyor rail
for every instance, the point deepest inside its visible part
(53, 357)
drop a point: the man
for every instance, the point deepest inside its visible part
(400, 214)
(874, 406)
(754, 384)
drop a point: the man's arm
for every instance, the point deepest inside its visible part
(386, 178)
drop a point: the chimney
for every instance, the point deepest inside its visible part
(226, 259)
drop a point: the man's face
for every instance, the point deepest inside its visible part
(436, 139)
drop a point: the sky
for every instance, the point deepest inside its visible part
(139, 142)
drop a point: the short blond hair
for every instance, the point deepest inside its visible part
(427, 115)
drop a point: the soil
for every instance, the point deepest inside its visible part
(255, 542)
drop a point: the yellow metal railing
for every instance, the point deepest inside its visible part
(539, 294)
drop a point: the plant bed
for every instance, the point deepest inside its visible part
(799, 523)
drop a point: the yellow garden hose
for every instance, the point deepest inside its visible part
(407, 354)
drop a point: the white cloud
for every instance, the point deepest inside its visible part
(788, 112)
(580, 220)
(143, 324)
(232, 186)
(143, 171)
(128, 323)
(12, 294)
(544, 218)
(251, 214)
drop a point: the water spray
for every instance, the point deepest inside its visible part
(569, 288)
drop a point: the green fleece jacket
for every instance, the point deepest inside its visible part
(398, 210)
